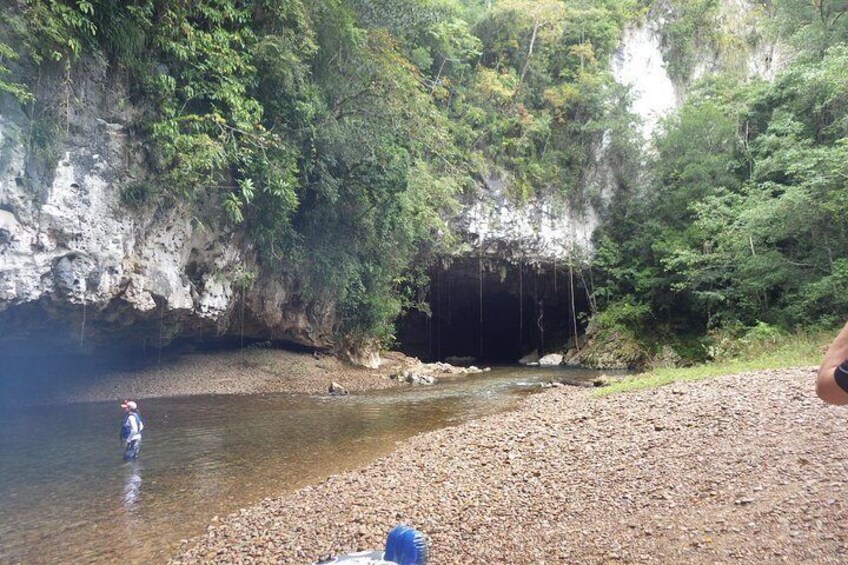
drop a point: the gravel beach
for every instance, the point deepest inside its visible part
(254, 371)
(744, 468)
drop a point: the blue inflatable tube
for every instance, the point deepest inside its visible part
(404, 546)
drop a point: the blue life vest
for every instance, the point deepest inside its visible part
(126, 428)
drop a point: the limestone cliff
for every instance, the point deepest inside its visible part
(73, 254)
(546, 230)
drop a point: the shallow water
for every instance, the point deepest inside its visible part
(67, 497)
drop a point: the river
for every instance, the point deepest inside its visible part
(67, 497)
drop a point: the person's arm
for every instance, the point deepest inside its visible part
(832, 382)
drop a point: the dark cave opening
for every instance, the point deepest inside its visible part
(494, 311)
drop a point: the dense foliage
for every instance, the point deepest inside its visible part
(338, 133)
(743, 223)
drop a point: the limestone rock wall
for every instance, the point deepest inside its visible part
(540, 231)
(640, 61)
(72, 253)
(545, 230)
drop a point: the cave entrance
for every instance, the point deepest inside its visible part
(494, 311)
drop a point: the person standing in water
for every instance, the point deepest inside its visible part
(131, 430)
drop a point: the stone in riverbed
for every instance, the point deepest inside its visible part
(337, 390)
(551, 359)
(419, 378)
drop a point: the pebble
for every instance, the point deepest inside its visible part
(550, 482)
(258, 371)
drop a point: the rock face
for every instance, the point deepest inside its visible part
(608, 350)
(543, 230)
(639, 61)
(73, 254)
(538, 231)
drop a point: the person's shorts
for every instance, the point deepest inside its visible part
(132, 450)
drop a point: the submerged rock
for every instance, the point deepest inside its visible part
(420, 379)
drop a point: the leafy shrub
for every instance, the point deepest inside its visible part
(734, 342)
(622, 315)
(139, 194)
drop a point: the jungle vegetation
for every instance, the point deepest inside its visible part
(341, 134)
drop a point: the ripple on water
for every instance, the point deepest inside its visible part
(68, 497)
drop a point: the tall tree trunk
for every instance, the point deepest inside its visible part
(829, 252)
(536, 27)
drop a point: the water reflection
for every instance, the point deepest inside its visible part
(204, 456)
(132, 485)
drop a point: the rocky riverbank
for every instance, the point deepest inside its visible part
(743, 468)
(252, 371)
